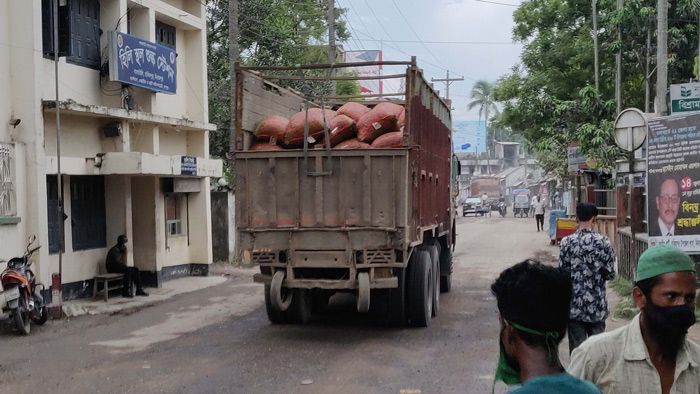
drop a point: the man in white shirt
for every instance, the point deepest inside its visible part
(667, 203)
(539, 213)
(532, 205)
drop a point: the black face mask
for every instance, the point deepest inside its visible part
(669, 325)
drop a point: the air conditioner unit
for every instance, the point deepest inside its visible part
(112, 129)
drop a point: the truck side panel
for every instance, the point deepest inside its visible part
(429, 130)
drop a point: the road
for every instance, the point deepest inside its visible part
(220, 341)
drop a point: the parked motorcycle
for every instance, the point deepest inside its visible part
(23, 298)
(502, 209)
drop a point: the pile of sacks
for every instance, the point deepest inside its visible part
(352, 126)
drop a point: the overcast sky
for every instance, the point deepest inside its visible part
(378, 24)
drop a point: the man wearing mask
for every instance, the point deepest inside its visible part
(651, 354)
(589, 258)
(533, 303)
(116, 264)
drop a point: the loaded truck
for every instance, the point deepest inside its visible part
(375, 222)
(490, 186)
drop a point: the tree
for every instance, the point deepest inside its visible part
(551, 97)
(483, 98)
(272, 32)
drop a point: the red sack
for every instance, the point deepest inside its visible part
(375, 123)
(402, 118)
(352, 143)
(342, 129)
(389, 140)
(354, 110)
(264, 146)
(294, 133)
(272, 128)
(391, 108)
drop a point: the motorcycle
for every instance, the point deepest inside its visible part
(23, 298)
(502, 209)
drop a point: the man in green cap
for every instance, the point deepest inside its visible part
(652, 353)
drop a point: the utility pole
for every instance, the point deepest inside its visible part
(56, 309)
(448, 81)
(661, 107)
(595, 46)
(618, 64)
(331, 41)
(233, 50)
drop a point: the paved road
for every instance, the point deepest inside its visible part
(220, 341)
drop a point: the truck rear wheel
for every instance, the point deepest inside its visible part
(273, 314)
(300, 310)
(420, 289)
(434, 251)
(363, 292)
(280, 298)
(445, 270)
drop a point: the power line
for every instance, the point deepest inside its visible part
(416, 34)
(444, 42)
(497, 3)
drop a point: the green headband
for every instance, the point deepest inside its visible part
(550, 338)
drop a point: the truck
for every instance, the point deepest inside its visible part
(377, 223)
(490, 186)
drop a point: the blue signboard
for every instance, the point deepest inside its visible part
(468, 136)
(135, 61)
(188, 165)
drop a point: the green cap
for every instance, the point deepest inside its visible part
(663, 259)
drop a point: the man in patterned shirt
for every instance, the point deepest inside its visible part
(590, 259)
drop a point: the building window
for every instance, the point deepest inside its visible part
(175, 214)
(7, 188)
(165, 35)
(88, 212)
(52, 206)
(78, 31)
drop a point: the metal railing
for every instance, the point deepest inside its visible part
(630, 248)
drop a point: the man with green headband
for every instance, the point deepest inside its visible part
(533, 302)
(652, 353)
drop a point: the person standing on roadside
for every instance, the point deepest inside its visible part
(589, 258)
(539, 213)
(651, 354)
(532, 205)
(533, 306)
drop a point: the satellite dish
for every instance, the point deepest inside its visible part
(630, 129)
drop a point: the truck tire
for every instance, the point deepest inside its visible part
(273, 314)
(280, 297)
(445, 270)
(434, 252)
(420, 289)
(300, 309)
(397, 300)
(363, 299)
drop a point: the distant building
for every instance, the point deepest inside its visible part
(135, 157)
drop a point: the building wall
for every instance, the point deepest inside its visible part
(28, 79)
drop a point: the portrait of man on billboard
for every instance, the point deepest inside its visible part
(668, 201)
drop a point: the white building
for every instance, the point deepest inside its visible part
(135, 161)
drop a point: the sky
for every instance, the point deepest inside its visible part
(384, 24)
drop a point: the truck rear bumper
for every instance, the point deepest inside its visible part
(377, 283)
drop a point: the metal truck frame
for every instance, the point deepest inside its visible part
(379, 223)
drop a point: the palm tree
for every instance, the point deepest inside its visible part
(482, 95)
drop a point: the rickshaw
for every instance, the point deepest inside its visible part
(521, 202)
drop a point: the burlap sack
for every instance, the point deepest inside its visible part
(342, 129)
(376, 122)
(389, 140)
(352, 143)
(264, 146)
(354, 110)
(272, 128)
(294, 133)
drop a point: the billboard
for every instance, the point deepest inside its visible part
(468, 136)
(685, 97)
(135, 61)
(673, 181)
(371, 86)
(577, 161)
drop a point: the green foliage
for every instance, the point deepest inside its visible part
(551, 97)
(482, 95)
(271, 32)
(348, 88)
